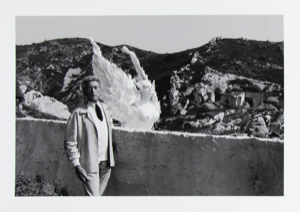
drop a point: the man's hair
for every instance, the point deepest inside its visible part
(88, 79)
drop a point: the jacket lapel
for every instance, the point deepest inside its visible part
(103, 112)
(89, 116)
(110, 145)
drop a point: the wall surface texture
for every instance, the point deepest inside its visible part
(158, 163)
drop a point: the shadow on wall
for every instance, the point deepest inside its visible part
(158, 163)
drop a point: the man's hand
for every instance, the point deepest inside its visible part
(81, 173)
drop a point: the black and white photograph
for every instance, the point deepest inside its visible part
(180, 107)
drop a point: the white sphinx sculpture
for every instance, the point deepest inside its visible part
(133, 102)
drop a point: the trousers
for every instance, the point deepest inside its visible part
(98, 181)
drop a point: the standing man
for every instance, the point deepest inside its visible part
(88, 140)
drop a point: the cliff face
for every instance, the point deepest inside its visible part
(219, 88)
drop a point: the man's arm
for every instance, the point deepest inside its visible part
(71, 146)
(70, 141)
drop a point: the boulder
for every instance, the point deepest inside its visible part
(258, 126)
(265, 107)
(274, 100)
(219, 116)
(208, 106)
(219, 128)
(174, 97)
(280, 119)
(19, 112)
(202, 91)
(194, 124)
(44, 106)
(237, 121)
(211, 96)
(197, 99)
(183, 110)
(223, 128)
(268, 119)
(277, 129)
(188, 91)
(195, 58)
(205, 97)
(277, 126)
(270, 88)
(21, 90)
(245, 120)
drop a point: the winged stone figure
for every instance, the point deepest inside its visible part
(131, 101)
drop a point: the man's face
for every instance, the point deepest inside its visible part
(92, 91)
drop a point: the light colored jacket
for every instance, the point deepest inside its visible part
(81, 140)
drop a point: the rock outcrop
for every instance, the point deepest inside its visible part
(39, 106)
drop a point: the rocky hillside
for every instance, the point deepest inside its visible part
(227, 86)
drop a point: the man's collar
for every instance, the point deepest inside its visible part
(92, 104)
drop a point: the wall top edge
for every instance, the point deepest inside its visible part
(185, 134)
(42, 120)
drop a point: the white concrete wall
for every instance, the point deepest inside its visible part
(159, 163)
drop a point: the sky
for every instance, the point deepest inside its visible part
(157, 33)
